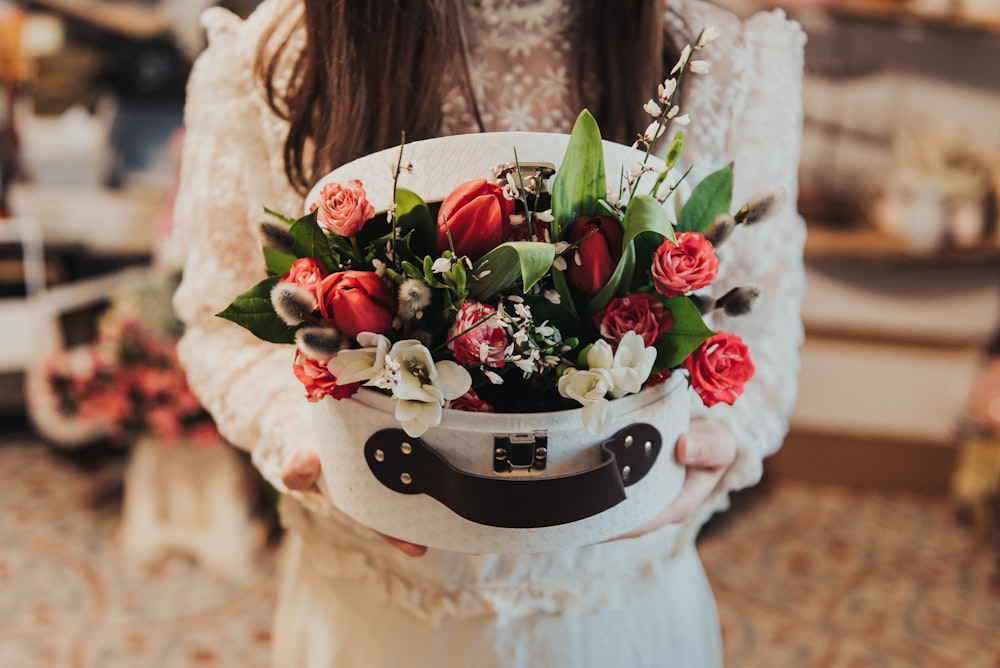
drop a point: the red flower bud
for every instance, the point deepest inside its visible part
(355, 302)
(477, 216)
(600, 247)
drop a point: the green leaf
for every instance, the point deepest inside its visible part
(644, 216)
(280, 216)
(253, 311)
(561, 286)
(277, 263)
(711, 197)
(505, 265)
(558, 315)
(413, 215)
(311, 241)
(687, 333)
(580, 181)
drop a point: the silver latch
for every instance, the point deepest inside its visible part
(525, 452)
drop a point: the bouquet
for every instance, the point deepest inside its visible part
(538, 290)
(129, 380)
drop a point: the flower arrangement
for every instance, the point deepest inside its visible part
(130, 380)
(537, 291)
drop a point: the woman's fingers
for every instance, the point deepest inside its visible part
(409, 549)
(301, 470)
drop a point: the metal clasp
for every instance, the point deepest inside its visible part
(534, 175)
(513, 453)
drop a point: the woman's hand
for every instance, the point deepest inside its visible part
(707, 450)
(300, 472)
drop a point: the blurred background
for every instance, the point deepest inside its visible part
(873, 539)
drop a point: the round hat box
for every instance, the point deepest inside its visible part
(496, 483)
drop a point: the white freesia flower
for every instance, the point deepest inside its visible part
(365, 364)
(632, 365)
(441, 265)
(590, 388)
(420, 386)
(627, 368)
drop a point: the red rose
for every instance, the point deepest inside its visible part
(639, 312)
(306, 272)
(343, 210)
(470, 402)
(689, 265)
(355, 302)
(599, 248)
(318, 380)
(477, 216)
(475, 338)
(719, 368)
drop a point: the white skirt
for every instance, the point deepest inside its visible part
(352, 601)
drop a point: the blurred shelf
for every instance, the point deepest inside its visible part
(900, 11)
(826, 242)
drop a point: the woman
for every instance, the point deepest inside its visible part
(263, 123)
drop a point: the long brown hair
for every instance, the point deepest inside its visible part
(369, 71)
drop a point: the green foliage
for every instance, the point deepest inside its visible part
(524, 262)
(711, 197)
(688, 332)
(253, 310)
(580, 181)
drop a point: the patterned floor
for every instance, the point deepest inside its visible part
(805, 577)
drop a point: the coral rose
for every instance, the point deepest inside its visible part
(477, 217)
(476, 337)
(639, 312)
(719, 368)
(689, 265)
(317, 379)
(343, 209)
(355, 302)
(306, 272)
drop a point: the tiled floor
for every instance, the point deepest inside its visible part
(805, 576)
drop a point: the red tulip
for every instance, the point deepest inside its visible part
(477, 216)
(356, 301)
(600, 247)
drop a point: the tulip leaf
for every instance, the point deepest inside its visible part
(504, 266)
(413, 215)
(277, 263)
(711, 197)
(644, 216)
(580, 181)
(561, 286)
(253, 310)
(309, 240)
(686, 334)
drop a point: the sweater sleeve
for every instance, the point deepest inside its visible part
(764, 143)
(227, 176)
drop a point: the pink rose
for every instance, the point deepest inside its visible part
(595, 259)
(476, 338)
(477, 216)
(639, 312)
(355, 302)
(306, 272)
(719, 368)
(471, 403)
(343, 210)
(317, 379)
(688, 266)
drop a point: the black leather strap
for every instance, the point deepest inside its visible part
(408, 466)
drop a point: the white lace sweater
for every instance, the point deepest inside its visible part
(747, 111)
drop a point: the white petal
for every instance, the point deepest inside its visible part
(600, 355)
(453, 380)
(596, 416)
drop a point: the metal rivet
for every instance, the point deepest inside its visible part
(406, 448)
(629, 441)
(406, 478)
(500, 453)
(649, 447)
(626, 472)
(540, 453)
(379, 456)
